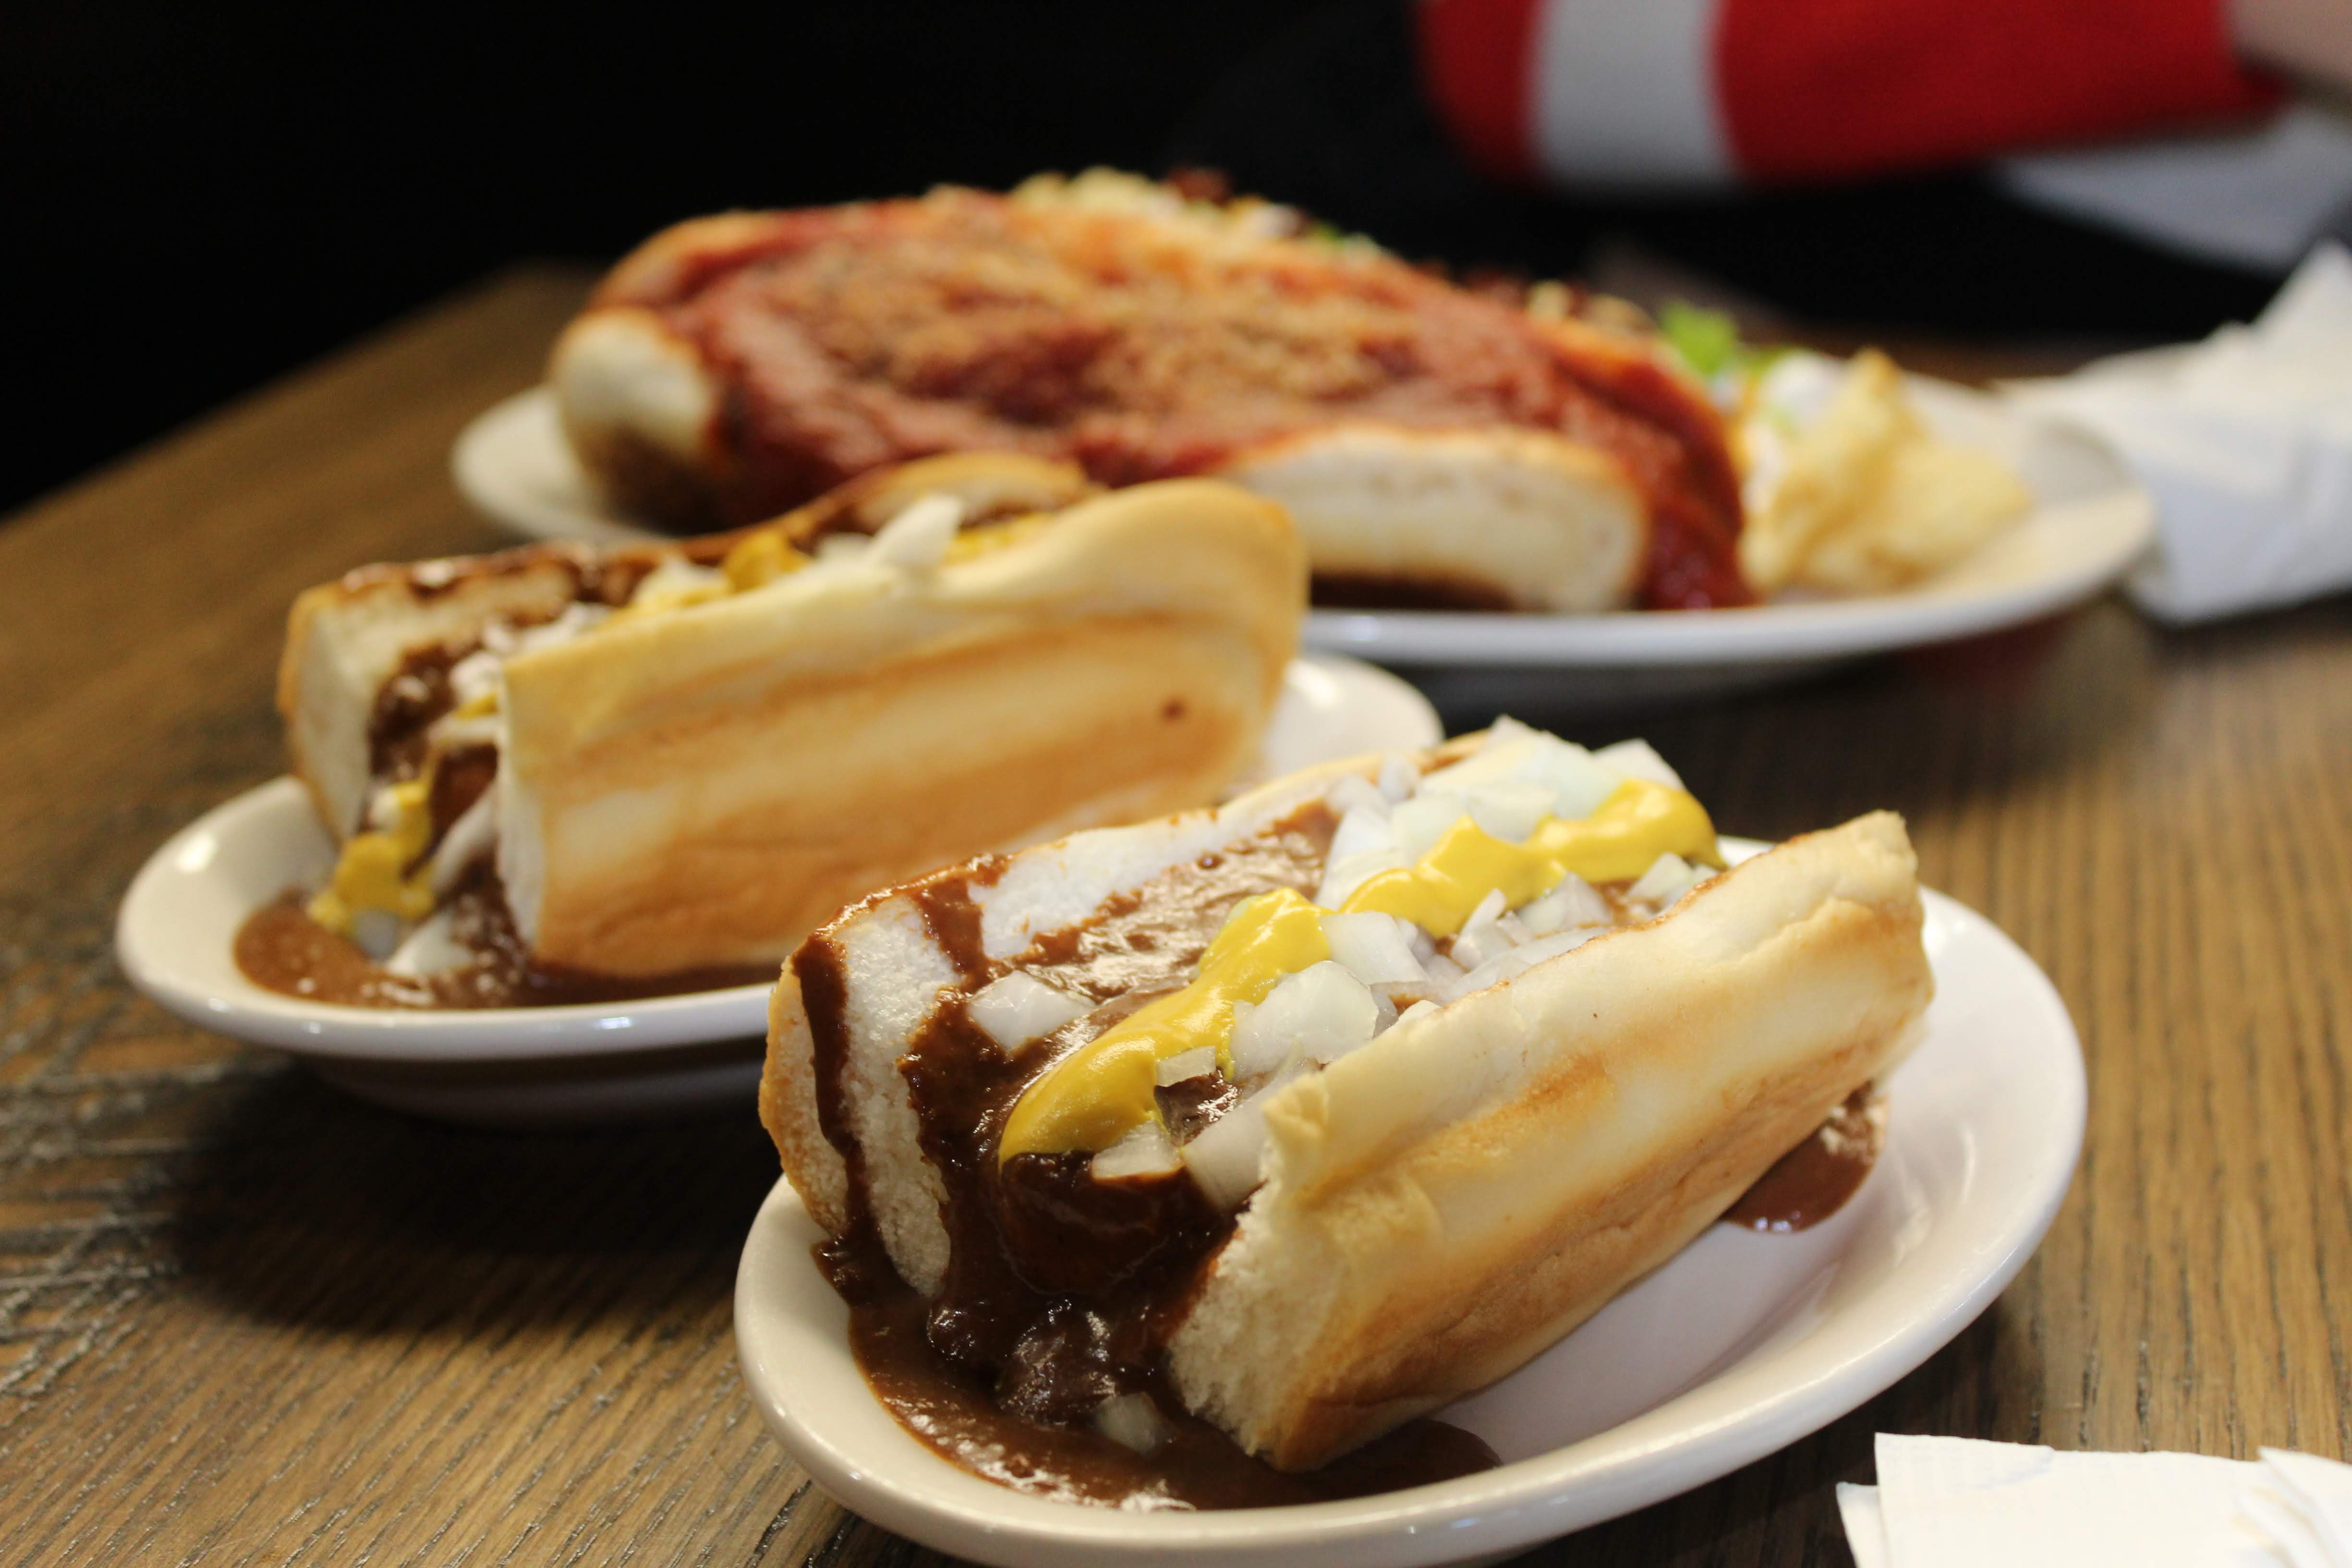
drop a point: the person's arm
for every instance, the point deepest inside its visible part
(2310, 39)
(1706, 92)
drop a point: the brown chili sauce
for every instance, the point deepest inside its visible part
(280, 948)
(1813, 1180)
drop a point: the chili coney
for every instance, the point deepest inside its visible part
(1437, 445)
(1310, 1114)
(660, 759)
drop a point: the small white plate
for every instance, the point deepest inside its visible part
(2090, 522)
(1739, 1346)
(599, 1062)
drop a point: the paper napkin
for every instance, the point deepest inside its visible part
(2245, 440)
(1953, 1502)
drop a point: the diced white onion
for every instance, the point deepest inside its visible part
(1482, 939)
(1508, 809)
(1422, 944)
(1375, 948)
(1364, 827)
(1200, 1061)
(429, 949)
(1319, 1013)
(1515, 755)
(917, 537)
(1493, 762)
(383, 809)
(1226, 1157)
(1131, 1421)
(375, 932)
(1017, 1007)
(676, 582)
(1442, 970)
(1406, 995)
(1517, 961)
(574, 620)
(839, 549)
(1144, 1150)
(1663, 882)
(1505, 729)
(1477, 979)
(1578, 781)
(1399, 777)
(1415, 1011)
(473, 677)
(1421, 822)
(1638, 759)
(1351, 793)
(1343, 876)
(1572, 903)
(1513, 929)
(1479, 945)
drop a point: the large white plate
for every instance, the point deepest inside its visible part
(595, 1062)
(1740, 1345)
(2089, 524)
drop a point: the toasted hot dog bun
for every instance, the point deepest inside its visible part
(702, 785)
(1441, 1204)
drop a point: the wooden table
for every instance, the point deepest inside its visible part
(244, 1320)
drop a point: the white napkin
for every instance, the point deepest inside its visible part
(1953, 1502)
(2245, 440)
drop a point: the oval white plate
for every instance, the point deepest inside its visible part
(1739, 1346)
(2090, 522)
(594, 1062)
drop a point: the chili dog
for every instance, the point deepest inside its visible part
(669, 758)
(1437, 445)
(1313, 1112)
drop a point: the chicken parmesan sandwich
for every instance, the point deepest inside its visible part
(1437, 445)
(1299, 1118)
(638, 763)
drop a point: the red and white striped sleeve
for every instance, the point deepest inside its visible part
(1695, 92)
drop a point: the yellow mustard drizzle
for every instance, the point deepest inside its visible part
(1102, 1090)
(1639, 822)
(759, 559)
(987, 538)
(372, 873)
(1092, 1097)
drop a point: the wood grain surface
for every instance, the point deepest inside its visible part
(244, 1320)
